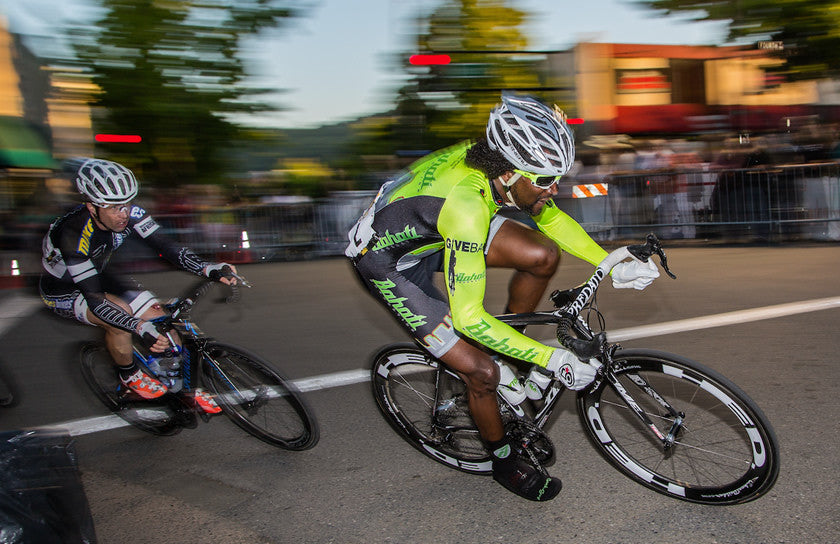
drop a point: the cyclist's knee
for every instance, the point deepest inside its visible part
(546, 258)
(153, 311)
(115, 333)
(483, 376)
(144, 304)
(117, 301)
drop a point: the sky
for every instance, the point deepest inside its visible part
(344, 45)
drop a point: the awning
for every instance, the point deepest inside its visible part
(21, 146)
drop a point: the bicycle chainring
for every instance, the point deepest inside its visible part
(525, 437)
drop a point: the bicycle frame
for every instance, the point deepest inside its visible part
(193, 347)
(587, 344)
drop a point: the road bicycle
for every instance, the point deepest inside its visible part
(250, 392)
(665, 421)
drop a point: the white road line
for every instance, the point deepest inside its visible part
(337, 379)
(721, 320)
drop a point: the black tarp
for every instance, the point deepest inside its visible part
(42, 499)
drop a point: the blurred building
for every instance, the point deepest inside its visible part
(25, 148)
(673, 89)
(44, 117)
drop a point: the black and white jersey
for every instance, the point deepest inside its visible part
(76, 253)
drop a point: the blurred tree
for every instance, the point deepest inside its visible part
(441, 104)
(808, 30)
(170, 71)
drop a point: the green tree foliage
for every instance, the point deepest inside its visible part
(808, 29)
(488, 48)
(171, 71)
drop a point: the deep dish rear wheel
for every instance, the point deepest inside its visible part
(427, 405)
(725, 451)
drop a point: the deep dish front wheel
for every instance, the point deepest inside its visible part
(163, 416)
(258, 399)
(724, 450)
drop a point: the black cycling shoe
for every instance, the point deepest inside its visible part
(526, 481)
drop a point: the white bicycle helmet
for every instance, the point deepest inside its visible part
(105, 182)
(532, 136)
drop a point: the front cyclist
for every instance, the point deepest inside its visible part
(441, 216)
(76, 250)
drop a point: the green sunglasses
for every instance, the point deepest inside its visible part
(543, 182)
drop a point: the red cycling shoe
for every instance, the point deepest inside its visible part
(203, 400)
(145, 386)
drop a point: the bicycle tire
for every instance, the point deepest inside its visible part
(726, 452)
(163, 417)
(273, 411)
(404, 378)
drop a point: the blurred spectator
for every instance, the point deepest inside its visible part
(741, 194)
(675, 202)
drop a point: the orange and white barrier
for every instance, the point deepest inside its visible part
(589, 190)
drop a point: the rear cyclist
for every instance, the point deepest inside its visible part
(441, 215)
(76, 251)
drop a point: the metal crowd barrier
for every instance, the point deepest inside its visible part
(772, 204)
(270, 232)
(766, 204)
(775, 204)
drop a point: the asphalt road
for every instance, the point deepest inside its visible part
(362, 484)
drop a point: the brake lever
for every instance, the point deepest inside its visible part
(651, 247)
(241, 280)
(664, 262)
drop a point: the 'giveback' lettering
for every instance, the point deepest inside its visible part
(477, 332)
(396, 303)
(466, 247)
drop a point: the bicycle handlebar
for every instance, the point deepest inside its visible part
(227, 272)
(184, 304)
(572, 302)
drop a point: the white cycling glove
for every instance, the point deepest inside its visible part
(635, 274)
(573, 373)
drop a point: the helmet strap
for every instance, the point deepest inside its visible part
(95, 214)
(506, 185)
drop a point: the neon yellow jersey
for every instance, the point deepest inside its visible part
(441, 203)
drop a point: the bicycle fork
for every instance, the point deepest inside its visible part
(678, 418)
(250, 397)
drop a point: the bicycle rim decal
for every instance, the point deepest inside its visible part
(464, 465)
(396, 359)
(628, 462)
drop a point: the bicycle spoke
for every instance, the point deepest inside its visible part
(427, 399)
